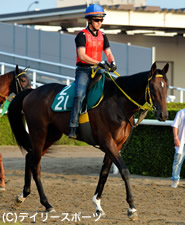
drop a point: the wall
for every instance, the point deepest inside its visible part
(66, 3)
(60, 48)
(168, 49)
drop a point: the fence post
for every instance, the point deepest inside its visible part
(34, 79)
(2, 69)
(181, 96)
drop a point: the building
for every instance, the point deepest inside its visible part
(146, 26)
(67, 3)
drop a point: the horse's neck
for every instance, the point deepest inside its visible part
(8, 77)
(5, 83)
(134, 86)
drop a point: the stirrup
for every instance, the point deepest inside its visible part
(72, 133)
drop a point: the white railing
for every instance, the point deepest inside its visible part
(59, 78)
(37, 60)
(155, 122)
(181, 90)
(39, 77)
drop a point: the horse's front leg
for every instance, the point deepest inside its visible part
(111, 150)
(27, 180)
(125, 174)
(107, 162)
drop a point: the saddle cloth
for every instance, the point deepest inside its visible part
(64, 99)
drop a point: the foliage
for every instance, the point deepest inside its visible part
(151, 148)
(67, 141)
(150, 151)
(7, 138)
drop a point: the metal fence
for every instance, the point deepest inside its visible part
(59, 48)
(39, 77)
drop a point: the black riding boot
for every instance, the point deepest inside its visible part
(72, 133)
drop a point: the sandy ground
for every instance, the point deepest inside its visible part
(70, 175)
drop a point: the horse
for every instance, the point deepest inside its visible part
(11, 83)
(111, 123)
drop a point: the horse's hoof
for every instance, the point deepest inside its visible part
(20, 199)
(50, 210)
(2, 188)
(98, 212)
(132, 214)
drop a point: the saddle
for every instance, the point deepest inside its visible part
(64, 99)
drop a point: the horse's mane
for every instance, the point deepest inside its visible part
(130, 83)
(127, 83)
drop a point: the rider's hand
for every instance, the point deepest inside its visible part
(113, 66)
(104, 65)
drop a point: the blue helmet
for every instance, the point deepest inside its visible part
(94, 10)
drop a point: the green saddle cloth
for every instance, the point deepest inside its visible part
(64, 99)
(6, 104)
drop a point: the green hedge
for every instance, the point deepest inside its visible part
(7, 138)
(150, 150)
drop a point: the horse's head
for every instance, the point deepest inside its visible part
(22, 80)
(158, 84)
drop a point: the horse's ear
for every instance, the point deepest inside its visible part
(17, 69)
(153, 69)
(165, 69)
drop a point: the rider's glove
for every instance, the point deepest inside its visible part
(113, 66)
(104, 65)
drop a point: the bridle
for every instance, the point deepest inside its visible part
(148, 103)
(18, 85)
(18, 82)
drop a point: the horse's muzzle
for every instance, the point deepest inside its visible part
(162, 116)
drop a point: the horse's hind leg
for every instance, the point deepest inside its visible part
(27, 180)
(35, 168)
(107, 162)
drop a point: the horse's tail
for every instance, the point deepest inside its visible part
(17, 122)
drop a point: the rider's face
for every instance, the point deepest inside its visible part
(97, 22)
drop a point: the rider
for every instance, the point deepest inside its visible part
(90, 43)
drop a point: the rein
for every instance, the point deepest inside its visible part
(3, 96)
(147, 105)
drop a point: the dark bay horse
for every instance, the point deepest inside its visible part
(11, 82)
(111, 124)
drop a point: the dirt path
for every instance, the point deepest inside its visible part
(70, 176)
